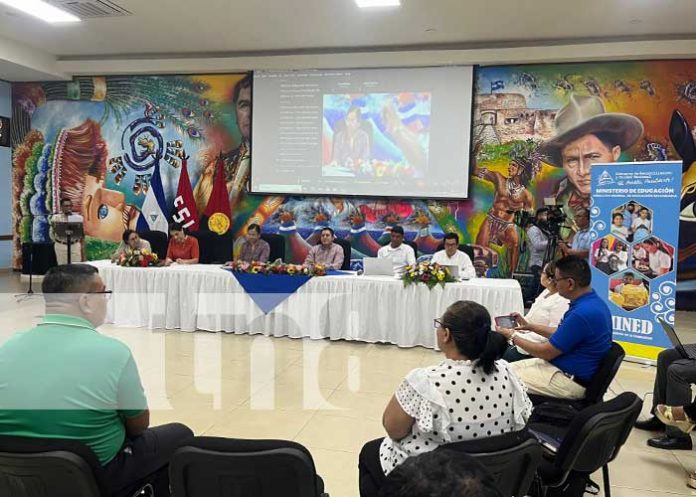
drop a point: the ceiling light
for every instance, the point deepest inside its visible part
(42, 10)
(366, 4)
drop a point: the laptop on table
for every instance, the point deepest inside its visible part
(687, 351)
(374, 266)
(454, 271)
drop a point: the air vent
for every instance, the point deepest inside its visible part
(91, 9)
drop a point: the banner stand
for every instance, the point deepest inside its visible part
(635, 234)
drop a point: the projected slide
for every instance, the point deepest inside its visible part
(367, 132)
(376, 135)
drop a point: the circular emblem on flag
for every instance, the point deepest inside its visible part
(219, 223)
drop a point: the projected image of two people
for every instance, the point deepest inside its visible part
(376, 135)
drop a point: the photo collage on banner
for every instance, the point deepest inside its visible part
(635, 231)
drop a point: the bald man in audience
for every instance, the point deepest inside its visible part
(63, 379)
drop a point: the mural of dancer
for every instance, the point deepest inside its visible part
(511, 195)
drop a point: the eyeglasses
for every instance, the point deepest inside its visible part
(562, 278)
(437, 324)
(106, 293)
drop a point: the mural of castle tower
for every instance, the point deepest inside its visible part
(504, 117)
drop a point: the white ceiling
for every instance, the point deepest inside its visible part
(230, 26)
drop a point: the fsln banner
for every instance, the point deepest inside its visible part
(635, 234)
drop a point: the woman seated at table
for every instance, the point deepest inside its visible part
(470, 395)
(183, 249)
(548, 309)
(254, 249)
(131, 241)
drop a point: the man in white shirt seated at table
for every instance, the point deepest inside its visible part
(452, 256)
(327, 253)
(399, 253)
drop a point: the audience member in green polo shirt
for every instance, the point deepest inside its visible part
(63, 379)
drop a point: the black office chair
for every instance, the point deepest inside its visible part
(214, 248)
(467, 249)
(592, 441)
(413, 245)
(511, 459)
(37, 467)
(595, 391)
(277, 244)
(237, 468)
(159, 242)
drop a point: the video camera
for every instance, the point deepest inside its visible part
(555, 220)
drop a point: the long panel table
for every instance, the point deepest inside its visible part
(363, 308)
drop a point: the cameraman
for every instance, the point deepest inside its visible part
(538, 241)
(580, 246)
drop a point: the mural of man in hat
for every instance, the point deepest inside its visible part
(511, 195)
(586, 134)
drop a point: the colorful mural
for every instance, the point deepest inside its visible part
(97, 139)
(602, 112)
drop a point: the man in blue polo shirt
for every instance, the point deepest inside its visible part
(564, 365)
(65, 380)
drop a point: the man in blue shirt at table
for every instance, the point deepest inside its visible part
(564, 365)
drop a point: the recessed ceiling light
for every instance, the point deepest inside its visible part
(42, 10)
(367, 4)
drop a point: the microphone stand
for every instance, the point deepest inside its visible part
(67, 236)
(21, 297)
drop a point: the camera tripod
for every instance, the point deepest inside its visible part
(549, 255)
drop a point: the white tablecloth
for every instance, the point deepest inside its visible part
(364, 308)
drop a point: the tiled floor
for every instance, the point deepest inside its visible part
(326, 395)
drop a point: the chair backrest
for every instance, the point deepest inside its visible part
(597, 433)
(413, 245)
(159, 242)
(345, 245)
(36, 467)
(511, 459)
(214, 248)
(467, 249)
(238, 468)
(277, 244)
(608, 367)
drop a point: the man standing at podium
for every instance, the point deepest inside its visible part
(66, 215)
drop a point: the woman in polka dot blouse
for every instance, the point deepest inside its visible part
(471, 394)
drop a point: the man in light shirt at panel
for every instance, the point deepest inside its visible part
(399, 253)
(327, 253)
(452, 256)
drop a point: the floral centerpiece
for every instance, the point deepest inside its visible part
(428, 273)
(137, 258)
(277, 267)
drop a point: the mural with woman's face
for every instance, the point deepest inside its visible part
(79, 165)
(105, 211)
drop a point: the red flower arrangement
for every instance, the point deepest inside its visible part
(277, 267)
(137, 258)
